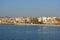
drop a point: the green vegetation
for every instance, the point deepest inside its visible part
(34, 21)
(58, 21)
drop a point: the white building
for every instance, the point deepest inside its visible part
(0, 20)
(28, 19)
(49, 20)
(53, 20)
(44, 19)
(39, 19)
(20, 20)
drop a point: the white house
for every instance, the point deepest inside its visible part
(49, 20)
(53, 20)
(44, 19)
(39, 19)
(20, 19)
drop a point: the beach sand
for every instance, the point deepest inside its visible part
(48, 25)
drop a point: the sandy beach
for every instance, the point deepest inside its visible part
(48, 25)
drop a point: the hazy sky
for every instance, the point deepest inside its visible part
(32, 8)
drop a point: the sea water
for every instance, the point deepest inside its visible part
(17, 32)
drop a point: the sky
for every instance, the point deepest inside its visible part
(29, 8)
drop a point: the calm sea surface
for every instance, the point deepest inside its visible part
(14, 32)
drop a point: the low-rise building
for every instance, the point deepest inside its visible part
(39, 19)
(44, 19)
(20, 20)
(0, 21)
(12, 20)
(32, 20)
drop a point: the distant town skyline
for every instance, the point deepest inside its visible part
(29, 8)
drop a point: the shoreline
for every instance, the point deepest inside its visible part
(23, 24)
(51, 25)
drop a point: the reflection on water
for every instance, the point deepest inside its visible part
(14, 32)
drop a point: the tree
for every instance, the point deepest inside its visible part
(34, 20)
(58, 21)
